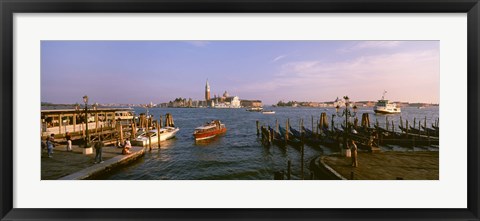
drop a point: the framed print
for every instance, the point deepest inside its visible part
(252, 110)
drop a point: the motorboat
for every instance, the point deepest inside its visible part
(384, 106)
(268, 112)
(143, 138)
(209, 130)
(255, 109)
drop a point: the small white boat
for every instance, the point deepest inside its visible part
(385, 106)
(142, 138)
(268, 112)
(256, 109)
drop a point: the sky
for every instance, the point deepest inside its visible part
(140, 72)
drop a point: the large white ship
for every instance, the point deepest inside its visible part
(385, 106)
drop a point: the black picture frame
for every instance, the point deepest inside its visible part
(9, 7)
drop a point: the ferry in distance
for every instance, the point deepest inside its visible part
(385, 106)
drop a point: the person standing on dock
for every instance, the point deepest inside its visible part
(354, 154)
(98, 151)
(68, 137)
(50, 146)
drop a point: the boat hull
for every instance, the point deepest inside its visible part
(144, 141)
(209, 134)
(383, 111)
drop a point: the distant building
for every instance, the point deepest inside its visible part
(251, 103)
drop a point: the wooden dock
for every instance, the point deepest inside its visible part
(383, 166)
(99, 169)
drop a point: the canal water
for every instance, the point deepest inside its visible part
(238, 154)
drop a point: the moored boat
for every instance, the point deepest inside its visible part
(209, 130)
(268, 112)
(143, 138)
(255, 109)
(385, 106)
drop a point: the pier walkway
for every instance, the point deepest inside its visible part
(391, 165)
(76, 166)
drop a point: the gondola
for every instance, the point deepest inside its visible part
(418, 139)
(430, 131)
(324, 139)
(278, 140)
(307, 138)
(292, 140)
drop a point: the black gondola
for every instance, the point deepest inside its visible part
(292, 140)
(309, 139)
(278, 140)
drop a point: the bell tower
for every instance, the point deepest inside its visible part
(207, 91)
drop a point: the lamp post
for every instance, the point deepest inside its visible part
(347, 113)
(87, 138)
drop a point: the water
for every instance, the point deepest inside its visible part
(238, 154)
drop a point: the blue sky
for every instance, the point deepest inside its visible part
(141, 72)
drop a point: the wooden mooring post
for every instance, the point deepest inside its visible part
(276, 125)
(149, 141)
(287, 129)
(320, 123)
(160, 123)
(158, 135)
(302, 160)
(258, 128)
(134, 130)
(289, 170)
(426, 131)
(279, 175)
(303, 147)
(121, 131)
(270, 136)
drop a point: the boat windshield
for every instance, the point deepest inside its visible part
(382, 103)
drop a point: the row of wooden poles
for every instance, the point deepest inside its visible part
(149, 122)
(267, 140)
(267, 135)
(322, 123)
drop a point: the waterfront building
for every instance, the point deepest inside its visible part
(227, 102)
(251, 103)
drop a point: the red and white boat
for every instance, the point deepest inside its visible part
(209, 130)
